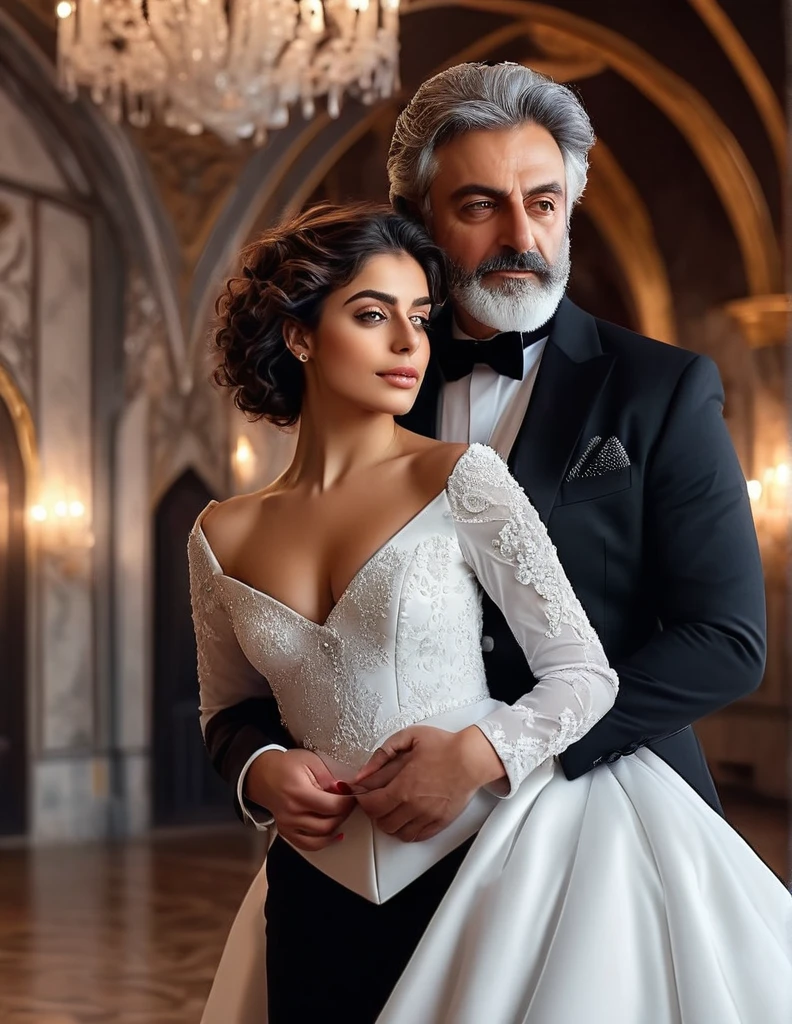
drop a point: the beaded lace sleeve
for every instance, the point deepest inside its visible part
(225, 675)
(507, 546)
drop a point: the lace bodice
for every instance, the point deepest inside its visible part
(403, 643)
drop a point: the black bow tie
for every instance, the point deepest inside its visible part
(504, 353)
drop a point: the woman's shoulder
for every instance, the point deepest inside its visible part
(432, 463)
(443, 462)
(438, 466)
(226, 524)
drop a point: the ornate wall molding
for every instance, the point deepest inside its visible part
(16, 270)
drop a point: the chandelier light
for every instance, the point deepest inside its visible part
(233, 67)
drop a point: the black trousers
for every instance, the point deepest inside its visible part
(332, 955)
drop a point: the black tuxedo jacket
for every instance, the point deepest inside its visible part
(661, 552)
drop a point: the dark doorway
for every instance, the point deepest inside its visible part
(186, 788)
(13, 636)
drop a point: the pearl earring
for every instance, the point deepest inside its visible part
(303, 357)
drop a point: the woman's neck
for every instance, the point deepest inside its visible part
(333, 445)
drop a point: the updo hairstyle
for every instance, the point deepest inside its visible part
(286, 276)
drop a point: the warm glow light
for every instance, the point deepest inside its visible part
(38, 513)
(76, 509)
(61, 508)
(64, 9)
(244, 451)
(782, 473)
(754, 490)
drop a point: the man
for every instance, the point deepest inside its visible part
(618, 441)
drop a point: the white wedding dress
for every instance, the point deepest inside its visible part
(617, 898)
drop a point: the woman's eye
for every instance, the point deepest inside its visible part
(420, 321)
(371, 316)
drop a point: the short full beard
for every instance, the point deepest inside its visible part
(516, 304)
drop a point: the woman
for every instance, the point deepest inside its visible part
(349, 590)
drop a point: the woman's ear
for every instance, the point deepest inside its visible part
(298, 340)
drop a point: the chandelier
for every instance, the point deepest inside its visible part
(233, 67)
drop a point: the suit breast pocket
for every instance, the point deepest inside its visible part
(586, 488)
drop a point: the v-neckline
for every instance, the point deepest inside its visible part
(292, 611)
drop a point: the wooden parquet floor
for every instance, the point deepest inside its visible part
(118, 934)
(131, 933)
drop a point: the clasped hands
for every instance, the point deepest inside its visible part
(413, 786)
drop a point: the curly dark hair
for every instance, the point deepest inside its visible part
(286, 276)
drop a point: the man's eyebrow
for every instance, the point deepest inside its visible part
(553, 187)
(474, 189)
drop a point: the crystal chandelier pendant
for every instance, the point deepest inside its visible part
(234, 67)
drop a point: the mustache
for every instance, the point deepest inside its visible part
(521, 261)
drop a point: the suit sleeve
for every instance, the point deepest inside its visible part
(701, 551)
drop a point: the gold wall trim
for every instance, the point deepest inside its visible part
(622, 220)
(714, 145)
(765, 320)
(750, 71)
(25, 430)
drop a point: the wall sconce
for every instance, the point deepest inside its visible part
(63, 531)
(770, 504)
(244, 462)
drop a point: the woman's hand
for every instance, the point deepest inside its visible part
(299, 791)
(422, 778)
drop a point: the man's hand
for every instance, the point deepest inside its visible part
(422, 778)
(301, 794)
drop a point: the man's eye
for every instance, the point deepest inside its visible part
(482, 204)
(546, 206)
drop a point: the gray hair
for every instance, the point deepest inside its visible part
(476, 97)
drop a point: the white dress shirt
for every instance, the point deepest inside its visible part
(487, 407)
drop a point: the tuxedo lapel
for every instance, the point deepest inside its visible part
(571, 375)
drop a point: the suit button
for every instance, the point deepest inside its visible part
(613, 757)
(631, 748)
(487, 644)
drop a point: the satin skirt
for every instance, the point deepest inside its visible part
(617, 898)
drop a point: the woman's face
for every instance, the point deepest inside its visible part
(370, 346)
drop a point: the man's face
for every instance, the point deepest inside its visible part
(498, 209)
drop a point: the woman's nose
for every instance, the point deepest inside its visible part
(408, 338)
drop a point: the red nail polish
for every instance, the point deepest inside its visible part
(343, 789)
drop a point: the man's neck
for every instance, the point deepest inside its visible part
(466, 326)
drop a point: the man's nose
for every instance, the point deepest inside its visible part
(517, 230)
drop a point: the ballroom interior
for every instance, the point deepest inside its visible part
(121, 860)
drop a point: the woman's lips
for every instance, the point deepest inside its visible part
(401, 377)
